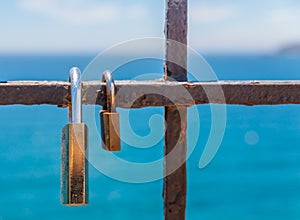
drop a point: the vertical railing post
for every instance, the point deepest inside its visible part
(174, 191)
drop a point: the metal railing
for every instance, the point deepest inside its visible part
(93, 92)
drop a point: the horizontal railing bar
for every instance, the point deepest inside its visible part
(138, 94)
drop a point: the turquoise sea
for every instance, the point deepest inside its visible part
(255, 174)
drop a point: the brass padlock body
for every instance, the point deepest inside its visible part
(110, 130)
(74, 167)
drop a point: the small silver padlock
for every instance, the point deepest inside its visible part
(110, 124)
(74, 145)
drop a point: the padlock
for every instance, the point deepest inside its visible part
(74, 145)
(109, 118)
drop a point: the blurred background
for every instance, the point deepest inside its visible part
(62, 26)
(256, 173)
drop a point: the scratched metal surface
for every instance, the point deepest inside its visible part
(138, 94)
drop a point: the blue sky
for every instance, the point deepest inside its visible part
(93, 25)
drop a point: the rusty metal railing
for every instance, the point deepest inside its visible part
(138, 96)
(232, 92)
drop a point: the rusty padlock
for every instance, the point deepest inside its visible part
(110, 124)
(74, 144)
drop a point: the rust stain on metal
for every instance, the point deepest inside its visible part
(174, 191)
(189, 85)
(249, 93)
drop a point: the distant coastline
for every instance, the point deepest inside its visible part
(291, 49)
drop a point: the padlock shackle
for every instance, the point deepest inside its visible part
(76, 107)
(107, 77)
